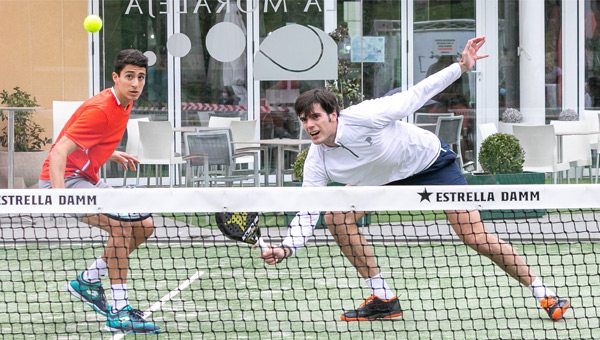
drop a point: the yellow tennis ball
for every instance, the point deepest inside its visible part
(92, 23)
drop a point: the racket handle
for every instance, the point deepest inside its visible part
(262, 244)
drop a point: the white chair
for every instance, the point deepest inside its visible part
(430, 119)
(133, 140)
(487, 129)
(156, 148)
(247, 130)
(204, 117)
(592, 119)
(216, 122)
(449, 129)
(597, 153)
(61, 112)
(576, 148)
(539, 144)
(244, 130)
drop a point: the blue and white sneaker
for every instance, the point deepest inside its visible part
(90, 293)
(129, 320)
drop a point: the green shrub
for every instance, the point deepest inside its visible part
(501, 153)
(27, 132)
(299, 164)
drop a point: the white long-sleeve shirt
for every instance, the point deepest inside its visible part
(374, 147)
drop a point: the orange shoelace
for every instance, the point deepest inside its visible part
(372, 297)
(369, 299)
(548, 302)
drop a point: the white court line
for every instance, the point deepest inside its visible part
(164, 299)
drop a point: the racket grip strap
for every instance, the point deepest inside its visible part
(262, 244)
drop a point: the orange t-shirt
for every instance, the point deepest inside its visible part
(97, 128)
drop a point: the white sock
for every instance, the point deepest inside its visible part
(379, 287)
(119, 295)
(96, 271)
(539, 290)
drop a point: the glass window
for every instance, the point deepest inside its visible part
(214, 72)
(441, 31)
(553, 61)
(134, 27)
(592, 55)
(377, 62)
(277, 97)
(508, 68)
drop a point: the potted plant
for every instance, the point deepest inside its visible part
(509, 117)
(502, 157)
(28, 142)
(347, 87)
(298, 166)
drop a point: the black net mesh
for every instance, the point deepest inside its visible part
(193, 282)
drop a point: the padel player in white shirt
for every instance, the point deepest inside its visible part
(366, 144)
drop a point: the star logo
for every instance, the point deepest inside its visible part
(425, 195)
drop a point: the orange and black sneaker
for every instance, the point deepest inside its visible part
(555, 307)
(374, 308)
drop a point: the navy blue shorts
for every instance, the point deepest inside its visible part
(444, 171)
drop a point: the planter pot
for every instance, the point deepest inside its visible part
(27, 168)
(522, 178)
(505, 127)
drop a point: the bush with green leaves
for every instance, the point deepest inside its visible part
(27, 132)
(501, 153)
(347, 87)
(298, 167)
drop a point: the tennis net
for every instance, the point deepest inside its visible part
(195, 283)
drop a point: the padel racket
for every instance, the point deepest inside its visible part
(241, 226)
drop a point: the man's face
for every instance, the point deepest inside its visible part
(130, 83)
(320, 126)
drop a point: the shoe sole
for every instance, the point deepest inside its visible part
(372, 318)
(113, 330)
(83, 299)
(559, 312)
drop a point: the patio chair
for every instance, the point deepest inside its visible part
(449, 129)
(539, 144)
(156, 148)
(132, 146)
(486, 130)
(576, 149)
(61, 112)
(247, 130)
(209, 159)
(430, 118)
(216, 121)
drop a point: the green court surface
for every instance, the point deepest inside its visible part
(446, 291)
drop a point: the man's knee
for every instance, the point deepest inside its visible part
(337, 219)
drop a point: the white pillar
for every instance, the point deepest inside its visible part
(531, 61)
(486, 70)
(572, 57)
(329, 16)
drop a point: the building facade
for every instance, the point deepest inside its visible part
(253, 58)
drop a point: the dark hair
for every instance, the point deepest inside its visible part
(130, 57)
(327, 100)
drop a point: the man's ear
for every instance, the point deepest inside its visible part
(335, 115)
(115, 76)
